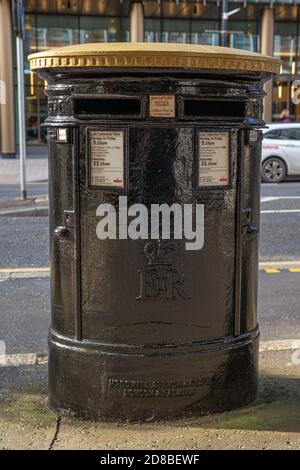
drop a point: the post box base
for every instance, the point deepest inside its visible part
(93, 381)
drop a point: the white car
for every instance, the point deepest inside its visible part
(280, 152)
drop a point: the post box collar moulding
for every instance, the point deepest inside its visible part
(154, 55)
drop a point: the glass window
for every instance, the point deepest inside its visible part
(287, 133)
(284, 134)
(36, 109)
(285, 38)
(243, 35)
(125, 30)
(152, 30)
(290, 134)
(274, 134)
(176, 31)
(56, 31)
(282, 99)
(204, 32)
(95, 29)
(30, 39)
(43, 32)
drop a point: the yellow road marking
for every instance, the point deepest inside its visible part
(272, 271)
(294, 270)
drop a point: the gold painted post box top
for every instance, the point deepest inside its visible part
(153, 55)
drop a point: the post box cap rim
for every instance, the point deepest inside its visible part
(153, 55)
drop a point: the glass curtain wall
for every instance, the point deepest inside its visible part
(197, 23)
(55, 23)
(182, 22)
(286, 48)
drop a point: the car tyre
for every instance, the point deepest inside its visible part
(273, 170)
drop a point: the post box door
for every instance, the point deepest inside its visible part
(146, 291)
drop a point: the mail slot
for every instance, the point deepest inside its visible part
(115, 106)
(217, 109)
(154, 177)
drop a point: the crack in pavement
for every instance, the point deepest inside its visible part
(57, 429)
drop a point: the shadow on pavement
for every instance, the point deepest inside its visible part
(23, 400)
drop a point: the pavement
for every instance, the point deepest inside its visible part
(36, 204)
(36, 177)
(36, 170)
(36, 166)
(11, 192)
(272, 422)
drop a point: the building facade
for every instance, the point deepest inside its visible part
(268, 26)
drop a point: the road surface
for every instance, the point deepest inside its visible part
(25, 308)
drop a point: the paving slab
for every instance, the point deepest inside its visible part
(273, 422)
(36, 170)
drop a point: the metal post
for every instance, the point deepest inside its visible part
(267, 48)
(224, 23)
(21, 113)
(19, 31)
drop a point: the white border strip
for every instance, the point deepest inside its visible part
(30, 359)
(16, 360)
(280, 211)
(21, 273)
(280, 345)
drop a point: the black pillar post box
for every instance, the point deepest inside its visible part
(154, 177)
